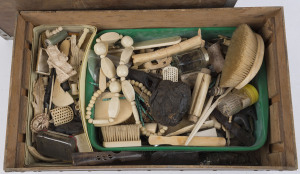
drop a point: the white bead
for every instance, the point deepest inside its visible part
(87, 117)
(127, 41)
(123, 78)
(162, 131)
(90, 121)
(92, 102)
(132, 82)
(60, 28)
(165, 128)
(98, 40)
(145, 91)
(111, 120)
(88, 112)
(90, 105)
(149, 93)
(88, 108)
(96, 94)
(122, 70)
(100, 48)
(136, 84)
(140, 85)
(99, 92)
(94, 98)
(143, 88)
(115, 87)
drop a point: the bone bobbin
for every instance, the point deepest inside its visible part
(199, 94)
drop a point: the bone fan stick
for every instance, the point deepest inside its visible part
(193, 42)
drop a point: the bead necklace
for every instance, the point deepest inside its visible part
(144, 131)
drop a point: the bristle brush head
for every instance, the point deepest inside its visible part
(240, 56)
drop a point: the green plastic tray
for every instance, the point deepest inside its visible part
(260, 82)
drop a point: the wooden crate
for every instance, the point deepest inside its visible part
(279, 152)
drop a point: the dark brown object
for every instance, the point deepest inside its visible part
(243, 136)
(170, 102)
(216, 58)
(100, 158)
(55, 145)
(279, 152)
(175, 158)
(150, 81)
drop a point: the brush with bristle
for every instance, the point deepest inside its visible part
(121, 136)
(243, 59)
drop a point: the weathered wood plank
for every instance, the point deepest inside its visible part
(155, 18)
(285, 92)
(14, 95)
(275, 124)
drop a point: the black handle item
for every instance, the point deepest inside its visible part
(99, 158)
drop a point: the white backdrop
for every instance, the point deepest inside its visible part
(292, 21)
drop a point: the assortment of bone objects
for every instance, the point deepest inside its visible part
(166, 108)
(171, 91)
(56, 123)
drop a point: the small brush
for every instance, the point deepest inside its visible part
(243, 59)
(121, 136)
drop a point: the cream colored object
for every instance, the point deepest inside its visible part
(204, 116)
(126, 55)
(82, 37)
(81, 143)
(62, 115)
(101, 48)
(179, 141)
(102, 80)
(127, 41)
(256, 64)
(61, 98)
(110, 37)
(191, 43)
(114, 107)
(212, 132)
(74, 89)
(53, 32)
(189, 128)
(121, 136)
(129, 93)
(170, 73)
(38, 156)
(59, 61)
(151, 127)
(65, 47)
(157, 43)
(101, 111)
(198, 99)
(108, 68)
(159, 64)
(38, 94)
(42, 66)
(75, 58)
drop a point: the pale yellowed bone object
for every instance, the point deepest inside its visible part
(129, 93)
(102, 81)
(59, 61)
(38, 156)
(74, 89)
(61, 98)
(65, 47)
(110, 37)
(212, 132)
(82, 37)
(179, 141)
(82, 143)
(191, 43)
(62, 115)
(108, 68)
(101, 111)
(121, 136)
(204, 116)
(151, 127)
(38, 94)
(160, 64)
(201, 96)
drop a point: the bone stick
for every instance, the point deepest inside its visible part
(196, 91)
(179, 141)
(193, 42)
(82, 37)
(204, 116)
(201, 97)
